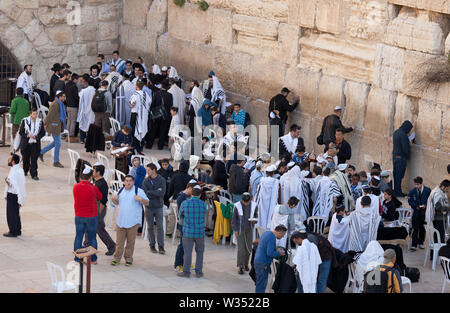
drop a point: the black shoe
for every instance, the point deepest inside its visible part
(153, 250)
(247, 269)
(35, 178)
(241, 271)
(10, 235)
(59, 165)
(161, 251)
(26, 173)
(110, 252)
(199, 275)
(41, 157)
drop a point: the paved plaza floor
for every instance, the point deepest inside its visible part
(48, 234)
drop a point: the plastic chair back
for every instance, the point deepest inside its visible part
(115, 125)
(445, 262)
(120, 176)
(105, 161)
(74, 156)
(318, 223)
(56, 283)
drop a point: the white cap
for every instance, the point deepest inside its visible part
(271, 168)
(86, 171)
(58, 92)
(320, 159)
(342, 166)
(259, 164)
(164, 69)
(277, 163)
(98, 164)
(291, 164)
(337, 108)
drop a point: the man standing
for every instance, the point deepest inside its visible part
(86, 196)
(56, 75)
(85, 115)
(438, 207)
(73, 101)
(193, 212)
(239, 179)
(105, 66)
(417, 199)
(330, 124)
(102, 108)
(290, 143)
(344, 150)
(264, 255)
(31, 132)
(25, 81)
(400, 155)
(55, 123)
(130, 200)
(118, 62)
(278, 108)
(60, 84)
(20, 108)
(128, 72)
(238, 115)
(179, 99)
(15, 196)
(243, 230)
(155, 188)
(102, 185)
(140, 104)
(267, 196)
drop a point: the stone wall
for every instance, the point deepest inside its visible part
(37, 32)
(360, 54)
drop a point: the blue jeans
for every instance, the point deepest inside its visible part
(179, 256)
(82, 135)
(322, 278)
(262, 275)
(81, 225)
(236, 198)
(55, 144)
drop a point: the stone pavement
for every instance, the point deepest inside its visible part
(48, 234)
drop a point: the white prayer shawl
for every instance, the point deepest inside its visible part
(339, 234)
(218, 95)
(279, 219)
(344, 186)
(363, 228)
(32, 128)
(173, 125)
(16, 178)
(118, 64)
(26, 82)
(371, 257)
(374, 203)
(326, 190)
(123, 110)
(314, 183)
(255, 179)
(156, 69)
(179, 100)
(197, 99)
(266, 199)
(114, 79)
(142, 103)
(289, 142)
(436, 196)
(307, 259)
(85, 115)
(173, 72)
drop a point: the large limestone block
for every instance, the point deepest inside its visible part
(10, 8)
(379, 118)
(328, 15)
(406, 108)
(266, 78)
(12, 36)
(86, 33)
(304, 82)
(198, 25)
(412, 72)
(108, 31)
(28, 4)
(388, 67)
(32, 30)
(23, 50)
(258, 110)
(241, 66)
(157, 17)
(24, 18)
(441, 6)
(109, 12)
(356, 95)
(61, 35)
(105, 47)
(350, 60)
(51, 16)
(302, 12)
(288, 37)
(428, 124)
(223, 61)
(41, 40)
(222, 30)
(445, 142)
(331, 94)
(367, 19)
(135, 12)
(413, 34)
(257, 27)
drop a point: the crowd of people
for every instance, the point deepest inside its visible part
(276, 195)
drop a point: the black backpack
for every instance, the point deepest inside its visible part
(136, 188)
(99, 102)
(413, 274)
(382, 286)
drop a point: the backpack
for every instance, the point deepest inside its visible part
(99, 102)
(135, 190)
(413, 274)
(382, 287)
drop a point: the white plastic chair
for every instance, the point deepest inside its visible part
(431, 244)
(173, 205)
(445, 262)
(115, 126)
(120, 176)
(74, 156)
(319, 223)
(273, 269)
(58, 284)
(407, 281)
(114, 188)
(105, 161)
(143, 159)
(8, 127)
(351, 284)
(405, 218)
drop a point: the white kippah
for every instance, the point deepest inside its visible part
(197, 187)
(271, 168)
(58, 92)
(87, 171)
(192, 181)
(342, 166)
(290, 164)
(98, 164)
(164, 69)
(272, 115)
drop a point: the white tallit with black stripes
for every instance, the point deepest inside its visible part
(326, 190)
(122, 107)
(217, 94)
(364, 224)
(266, 200)
(344, 186)
(142, 108)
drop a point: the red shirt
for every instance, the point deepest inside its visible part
(86, 196)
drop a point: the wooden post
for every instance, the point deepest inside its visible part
(81, 254)
(88, 275)
(80, 287)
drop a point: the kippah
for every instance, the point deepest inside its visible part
(86, 171)
(98, 164)
(197, 187)
(192, 181)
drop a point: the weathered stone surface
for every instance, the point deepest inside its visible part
(331, 94)
(10, 8)
(428, 124)
(388, 67)
(441, 6)
(12, 36)
(135, 12)
(445, 141)
(200, 31)
(304, 82)
(302, 12)
(222, 34)
(109, 13)
(48, 3)
(86, 33)
(28, 4)
(379, 118)
(367, 19)
(406, 108)
(356, 95)
(157, 17)
(328, 15)
(25, 18)
(51, 16)
(32, 30)
(288, 37)
(108, 31)
(61, 35)
(266, 78)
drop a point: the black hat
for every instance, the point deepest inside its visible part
(285, 90)
(65, 65)
(56, 67)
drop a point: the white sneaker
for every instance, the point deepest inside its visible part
(413, 249)
(421, 246)
(179, 269)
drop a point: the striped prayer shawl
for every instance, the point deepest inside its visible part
(326, 190)
(363, 228)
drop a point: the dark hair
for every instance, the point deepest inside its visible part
(86, 176)
(19, 91)
(113, 65)
(116, 52)
(362, 174)
(26, 66)
(397, 202)
(238, 104)
(129, 62)
(165, 83)
(140, 85)
(196, 192)
(15, 158)
(340, 208)
(152, 166)
(352, 167)
(198, 85)
(165, 160)
(293, 201)
(105, 83)
(297, 235)
(304, 165)
(300, 149)
(326, 171)
(102, 56)
(75, 76)
(100, 169)
(86, 77)
(94, 67)
(445, 183)
(418, 180)
(128, 176)
(294, 128)
(317, 170)
(174, 109)
(365, 201)
(61, 94)
(340, 130)
(281, 228)
(356, 175)
(191, 185)
(66, 72)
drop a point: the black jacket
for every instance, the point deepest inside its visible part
(285, 281)
(60, 85)
(401, 141)
(23, 136)
(95, 140)
(345, 152)
(280, 103)
(239, 181)
(158, 99)
(179, 180)
(72, 96)
(52, 87)
(219, 175)
(329, 126)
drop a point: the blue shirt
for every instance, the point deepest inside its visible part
(267, 248)
(130, 210)
(193, 211)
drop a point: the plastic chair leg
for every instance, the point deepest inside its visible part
(426, 256)
(111, 216)
(435, 256)
(444, 284)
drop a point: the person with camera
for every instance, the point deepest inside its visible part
(417, 199)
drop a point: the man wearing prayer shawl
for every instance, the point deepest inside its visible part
(118, 62)
(374, 200)
(344, 186)
(267, 197)
(122, 109)
(15, 196)
(327, 193)
(364, 223)
(215, 92)
(339, 234)
(291, 142)
(179, 99)
(255, 178)
(306, 261)
(438, 207)
(140, 104)
(85, 115)
(25, 81)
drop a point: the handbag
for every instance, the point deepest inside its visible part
(159, 111)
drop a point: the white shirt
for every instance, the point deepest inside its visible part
(130, 210)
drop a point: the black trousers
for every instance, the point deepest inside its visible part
(102, 233)
(13, 214)
(30, 155)
(418, 221)
(158, 127)
(439, 225)
(399, 173)
(136, 143)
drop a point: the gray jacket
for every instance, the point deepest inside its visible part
(155, 192)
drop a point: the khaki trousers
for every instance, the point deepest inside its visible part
(102, 121)
(128, 234)
(72, 114)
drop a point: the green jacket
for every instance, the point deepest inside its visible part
(20, 108)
